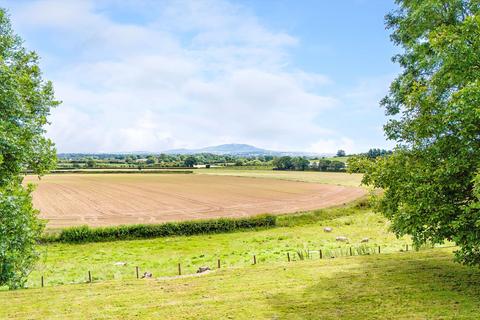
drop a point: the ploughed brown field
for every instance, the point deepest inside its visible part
(113, 199)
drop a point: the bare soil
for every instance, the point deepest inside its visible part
(114, 199)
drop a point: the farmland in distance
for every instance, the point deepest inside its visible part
(114, 199)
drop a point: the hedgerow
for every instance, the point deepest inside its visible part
(84, 234)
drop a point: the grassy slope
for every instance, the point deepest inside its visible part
(67, 263)
(336, 178)
(413, 285)
(341, 159)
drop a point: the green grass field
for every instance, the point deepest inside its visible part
(70, 263)
(408, 285)
(341, 159)
(335, 178)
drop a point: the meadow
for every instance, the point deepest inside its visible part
(401, 285)
(69, 263)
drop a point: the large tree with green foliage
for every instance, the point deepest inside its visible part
(25, 102)
(431, 182)
(190, 161)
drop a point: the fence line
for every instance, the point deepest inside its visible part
(299, 255)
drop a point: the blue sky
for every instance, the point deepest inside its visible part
(155, 75)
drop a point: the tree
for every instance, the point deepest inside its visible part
(360, 164)
(341, 153)
(91, 163)
(337, 166)
(373, 153)
(255, 163)
(301, 163)
(150, 160)
(25, 102)
(239, 162)
(283, 163)
(190, 161)
(431, 181)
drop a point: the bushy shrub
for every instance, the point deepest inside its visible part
(83, 234)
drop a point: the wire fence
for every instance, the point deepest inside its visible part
(178, 269)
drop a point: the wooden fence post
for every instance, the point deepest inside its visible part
(406, 246)
(89, 276)
(254, 259)
(218, 263)
(351, 251)
(288, 256)
(42, 281)
(320, 252)
(378, 249)
(179, 269)
(136, 271)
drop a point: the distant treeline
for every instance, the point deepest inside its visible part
(111, 161)
(179, 161)
(84, 234)
(303, 164)
(374, 153)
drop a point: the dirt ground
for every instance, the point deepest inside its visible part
(113, 199)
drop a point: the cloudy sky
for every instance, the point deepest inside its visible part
(155, 75)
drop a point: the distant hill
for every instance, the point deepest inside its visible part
(234, 149)
(239, 150)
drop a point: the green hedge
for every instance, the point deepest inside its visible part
(83, 234)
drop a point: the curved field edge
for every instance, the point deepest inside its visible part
(85, 234)
(363, 287)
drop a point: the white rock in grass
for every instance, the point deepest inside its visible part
(147, 275)
(121, 264)
(327, 229)
(341, 239)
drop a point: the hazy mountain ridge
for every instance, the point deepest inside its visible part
(239, 149)
(234, 149)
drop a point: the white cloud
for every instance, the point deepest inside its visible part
(191, 74)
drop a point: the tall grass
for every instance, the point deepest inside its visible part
(315, 216)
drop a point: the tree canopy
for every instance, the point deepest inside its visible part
(25, 103)
(190, 161)
(431, 181)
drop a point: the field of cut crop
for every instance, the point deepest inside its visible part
(113, 199)
(332, 178)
